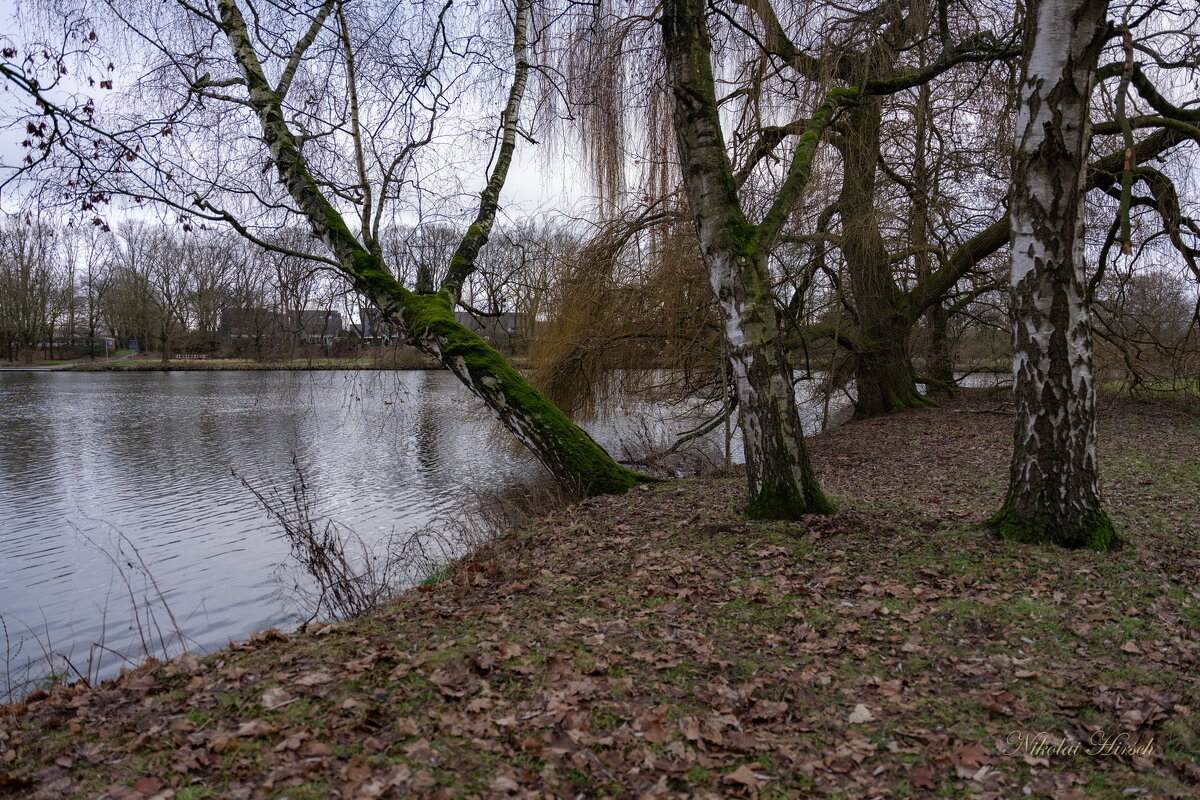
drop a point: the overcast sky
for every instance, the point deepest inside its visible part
(534, 186)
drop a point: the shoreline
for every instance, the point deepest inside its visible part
(227, 365)
(247, 365)
(658, 642)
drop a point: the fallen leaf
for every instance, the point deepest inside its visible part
(254, 728)
(860, 714)
(314, 679)
(922, 778)
(745, 776)
(504, 785)
(971, 754)
(406, 726)
(313, 749)
(767, 709)
(276, 698)
(655, 732)
(148, 785)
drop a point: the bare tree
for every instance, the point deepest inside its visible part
(341, 133)
(29, 286)
(781, 481)
(90, 251)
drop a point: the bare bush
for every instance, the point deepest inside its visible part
(652, 447)
(34, 660)
(349, 577)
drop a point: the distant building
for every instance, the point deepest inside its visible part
(319, 326)
(506, 331)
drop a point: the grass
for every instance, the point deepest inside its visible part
(658, 643)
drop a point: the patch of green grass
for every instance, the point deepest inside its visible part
(195, 792)
(313, 790)
(247, 752)
(439, 576)
(202, 718)
(773, 614)
(604, 719)
(579, 781)
(233, 702)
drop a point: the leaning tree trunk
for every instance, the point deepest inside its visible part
(572, 457)
(1053, 493)
(780, 478)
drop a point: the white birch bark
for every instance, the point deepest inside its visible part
(780, 479)
(1053, 491)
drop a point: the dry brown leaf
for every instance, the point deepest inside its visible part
(276, 697)
(148, 785)
(314, 679)
(745, 776)
(655, 732)
(922, 778)
(860, 714)
(254, 729)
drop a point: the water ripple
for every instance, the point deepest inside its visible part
(112, 484)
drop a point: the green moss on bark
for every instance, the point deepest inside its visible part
(910, 400)
(1094, 532)
(579, 460)
(782, 500)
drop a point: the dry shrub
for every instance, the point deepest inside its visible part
(632, 299)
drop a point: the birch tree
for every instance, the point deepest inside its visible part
(781, 481)
(339, 132)
(1053, 493)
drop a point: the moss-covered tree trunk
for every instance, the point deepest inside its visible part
(571, 456)
(939, 358)
(780, 480)
(1053, 493)
(884, 374)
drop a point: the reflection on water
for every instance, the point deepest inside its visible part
(100, 472)
(94, 465)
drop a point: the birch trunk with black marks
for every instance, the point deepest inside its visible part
(1053, 493)
(571, 456)
(781, 481)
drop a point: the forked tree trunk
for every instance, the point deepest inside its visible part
(780, 479)
(883, 375)
(1053, 493)
(570, 455)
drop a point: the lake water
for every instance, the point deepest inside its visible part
(116, 488)
(122, 494)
